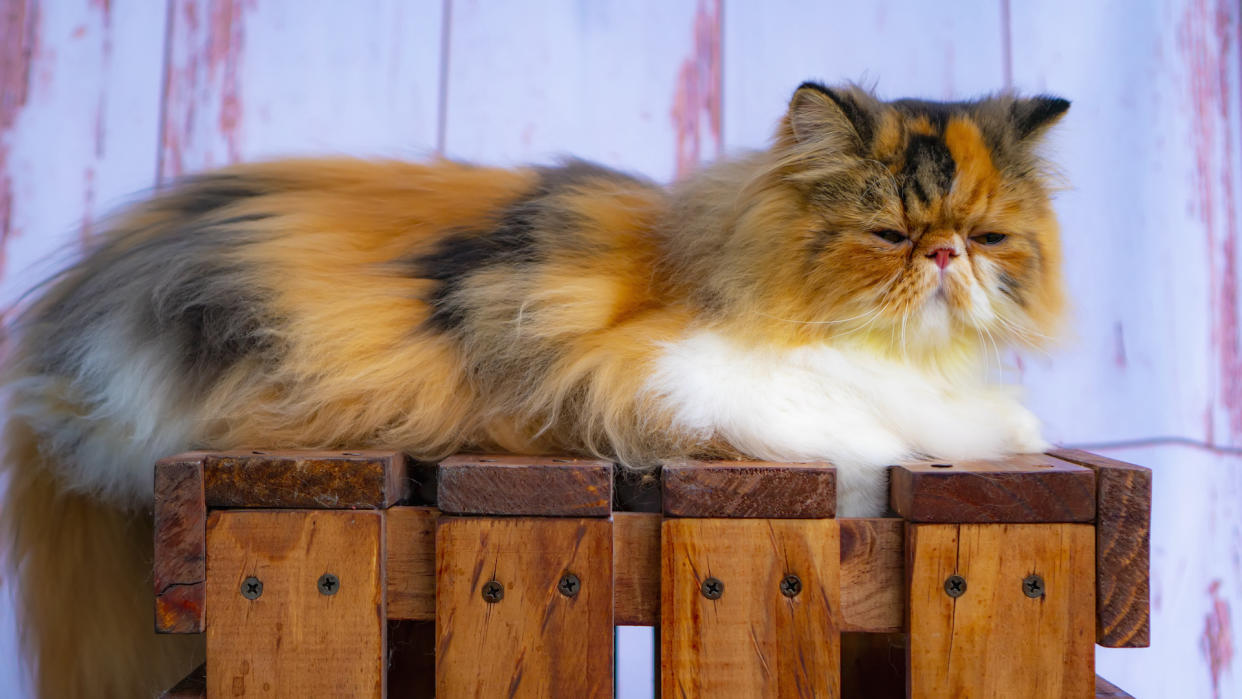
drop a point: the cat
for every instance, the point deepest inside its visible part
(834, 297)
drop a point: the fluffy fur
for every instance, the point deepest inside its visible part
(833, 297)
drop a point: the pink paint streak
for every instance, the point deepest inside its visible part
(205, 52)
(1204, 41)
(698, 96)
(1216, 643)
(19, 31)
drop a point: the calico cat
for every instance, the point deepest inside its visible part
(834, 297)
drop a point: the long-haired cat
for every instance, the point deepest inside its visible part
(833, 297)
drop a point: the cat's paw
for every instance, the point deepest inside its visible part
(1025, 434)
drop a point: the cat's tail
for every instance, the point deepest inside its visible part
(82, 570)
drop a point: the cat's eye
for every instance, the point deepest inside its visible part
(988, 238)
(891, 236)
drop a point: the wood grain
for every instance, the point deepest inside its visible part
(305, 479)
(753, 641)
(872, 575)
(1122, 549)
(535, 641)
(293, 640)
(180, 563)
(193, 686)
(872, 569)
(636, 568)
(525, 485)
(1107, 690)
(695, 488)
(1023, 488)
(994, 641)
(411, 551)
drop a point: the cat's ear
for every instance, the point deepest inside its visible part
(1033, 116)
(828, 116)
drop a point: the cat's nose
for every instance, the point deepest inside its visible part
(942, 255)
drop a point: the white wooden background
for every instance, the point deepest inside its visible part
(102, 99)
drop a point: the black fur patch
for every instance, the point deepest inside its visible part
(1012, 288)
(512, 240)
(862, 121)
(203, 194)
(929, 168)
(212, 328)
(1031, 114)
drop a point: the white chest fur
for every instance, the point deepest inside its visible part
(838, 404)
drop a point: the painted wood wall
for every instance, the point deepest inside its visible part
(100, 100)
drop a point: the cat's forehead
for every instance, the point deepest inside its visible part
(939, 154)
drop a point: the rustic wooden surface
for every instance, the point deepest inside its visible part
(753, 641)
(180, 567)
(994, 640)
(534, 642)
(194, 686)
(1024, 488)
(748, 489)
(636, 568)
(1107, 690)
(500, 484)
(294, 640)
(118, 90)
(1122, 549)
(411, 554)
(872, 569)
(305, 479)
(872, 575)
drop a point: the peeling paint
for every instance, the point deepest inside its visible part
(19, 25)
(205, 55)
(1119, 346)
(1204, 40)
(1217, 640)
(698, 94)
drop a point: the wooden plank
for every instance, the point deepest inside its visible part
(636, 568)
(411, 551)
(995, 640)
(535, 641)
(873, 575)
(256, 80)
(327, 480)
(293, 639)
(695, 488)
(1122, 549)
(193, 686)
(660, 115)
(1107, 690)
(524, 485)
(872, 569)
(180, 565)
(753, 640)
(1023, 488)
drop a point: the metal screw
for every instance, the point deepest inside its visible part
(791, 585)
(251, 588)
(569, 585)
(1033, 585)
(493, 591)
(329, 584)
(712, 588)
(955, 586)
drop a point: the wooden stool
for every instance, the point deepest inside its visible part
(311, 576)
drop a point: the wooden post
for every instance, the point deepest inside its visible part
(524, 604)
(998, 609)
(750, 606)
(295, 603)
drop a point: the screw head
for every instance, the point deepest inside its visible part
(328, 584)
(493, 591)
(955, 586)
(712, 588)
(791, 585)
(251, 588)
(1033, 586)
(569, 585)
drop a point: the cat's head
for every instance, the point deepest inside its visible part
(926, 225)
